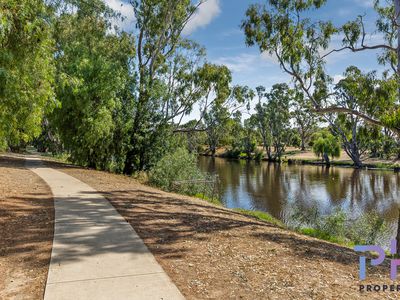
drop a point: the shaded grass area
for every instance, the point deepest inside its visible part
(211, 200)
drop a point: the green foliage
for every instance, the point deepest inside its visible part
(244, 138)
(93, 86)
(337, 227)
(305, 121)
(223, 119)
(258, 155)
(169, 78)
(26, 69)
(175, 167)
(326, 145)
(272, 119)
(322, 235)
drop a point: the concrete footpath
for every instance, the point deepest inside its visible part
(96, 253)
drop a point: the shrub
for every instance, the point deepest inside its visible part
(232, 153)
(336, 227)
(258, 155)
(178, 166)
(326, 145)
(367, 228)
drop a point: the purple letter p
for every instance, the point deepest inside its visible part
(363, 259)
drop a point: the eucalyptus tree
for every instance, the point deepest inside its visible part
(93, 84)
(273, 119)
(262, 121)
(249, 138)
(159, 26)
(305, 119)
(216, 121)
(357, 91)
(222, 101)
(26, 70)
(301, 47)
(278, 115)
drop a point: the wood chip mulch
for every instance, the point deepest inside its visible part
(26, 231)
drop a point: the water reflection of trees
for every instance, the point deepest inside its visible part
(272, 187)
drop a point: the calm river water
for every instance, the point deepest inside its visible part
(275, 188)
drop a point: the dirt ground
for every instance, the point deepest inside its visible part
(26, 231)
(214, 253)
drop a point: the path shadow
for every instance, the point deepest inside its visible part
(169, 220)
(26, 218)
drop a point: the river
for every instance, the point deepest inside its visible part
(277, 188)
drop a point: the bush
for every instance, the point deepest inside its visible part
(178, 166)
(337, 227)
(233, 153)
(367, 229)
(258, 155)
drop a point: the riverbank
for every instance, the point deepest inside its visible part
(213, 252)
(296, 156)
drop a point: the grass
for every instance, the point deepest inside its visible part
(263, 216)
(319, 234)
(208, 199)
(61, 157)
(260, 215)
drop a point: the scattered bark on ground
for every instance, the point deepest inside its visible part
(26, 231)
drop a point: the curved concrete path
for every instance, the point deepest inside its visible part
(96, 253)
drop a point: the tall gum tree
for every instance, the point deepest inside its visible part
(159, 26)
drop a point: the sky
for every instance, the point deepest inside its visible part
(216, 26)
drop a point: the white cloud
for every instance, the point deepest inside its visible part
(206, 12)
(247, 62)
(126, 11)
(239, 63)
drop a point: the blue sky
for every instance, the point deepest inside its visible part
(224, 42)
(217, 27)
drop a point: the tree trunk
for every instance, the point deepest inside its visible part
(303, 147)
(352, 151)
(128, 165)
(213, 150)
(303, 142)
(326, 159)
